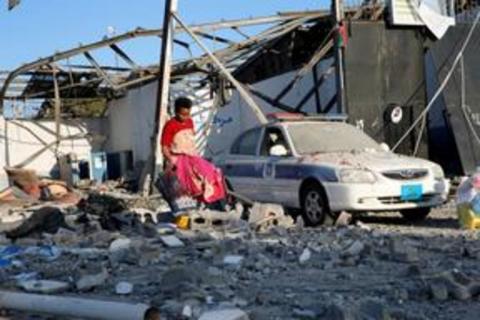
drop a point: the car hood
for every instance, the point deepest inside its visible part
(375, 161)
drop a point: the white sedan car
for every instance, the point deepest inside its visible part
(324, 167)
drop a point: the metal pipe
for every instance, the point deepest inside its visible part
(76, 307)
(162, 95)
(248, 99)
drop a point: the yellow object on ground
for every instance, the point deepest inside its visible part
(182, 222)
(467, 218)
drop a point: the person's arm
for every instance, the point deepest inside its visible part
(167, 154)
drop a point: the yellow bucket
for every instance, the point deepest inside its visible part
(182, 222)
(467, 218)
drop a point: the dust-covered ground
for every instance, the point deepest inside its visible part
(380, 267)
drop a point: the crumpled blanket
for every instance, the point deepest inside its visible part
(200, 179)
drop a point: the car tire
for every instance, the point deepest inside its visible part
(417, 214)
(315, 210)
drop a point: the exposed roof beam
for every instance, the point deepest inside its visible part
(124, 56)
(100, 71)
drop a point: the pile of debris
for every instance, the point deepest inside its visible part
(114, 250)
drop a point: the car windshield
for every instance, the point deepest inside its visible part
(322, 137)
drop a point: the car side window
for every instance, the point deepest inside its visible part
(273, 136)
(246, 144)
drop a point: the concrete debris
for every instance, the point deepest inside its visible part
(343, 219)
(43, 286)
(46, 219)
(233, 260)
(264, 216)
(214, 220)
(172, 241)
(91, 281)
(228, 314)
(124, 288)
(224, 267)
(402, 251)
(354, 249)
(305, 256)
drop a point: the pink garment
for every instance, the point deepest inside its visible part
(199, 178)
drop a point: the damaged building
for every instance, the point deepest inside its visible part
(101, 118)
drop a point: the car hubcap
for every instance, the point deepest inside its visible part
(313, 207)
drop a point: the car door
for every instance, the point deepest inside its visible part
(279, 171)
(243, 168)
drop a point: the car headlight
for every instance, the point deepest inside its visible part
(438, 172)
(357, 176)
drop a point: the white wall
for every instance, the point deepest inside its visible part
(18, 137)
(237, 116)
(131, 118)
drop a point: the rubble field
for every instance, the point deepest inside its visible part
(376, 267)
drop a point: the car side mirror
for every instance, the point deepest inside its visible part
(278, 150)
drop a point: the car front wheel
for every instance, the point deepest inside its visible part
(417, 214)
(315, 209)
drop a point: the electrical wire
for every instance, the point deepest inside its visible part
(442, 86)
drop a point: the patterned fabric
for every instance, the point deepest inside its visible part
(200, 179)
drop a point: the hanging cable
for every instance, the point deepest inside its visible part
(442, 86)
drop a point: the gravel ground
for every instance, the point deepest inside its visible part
(379, 268)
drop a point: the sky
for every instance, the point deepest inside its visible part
(38, 28)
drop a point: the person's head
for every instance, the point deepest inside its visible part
(183, 105)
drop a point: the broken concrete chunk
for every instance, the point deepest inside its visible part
(120, 244)
(438, 291)
(343, 219)
(233, 260)
(228, 314)
(124, 288)
(305, 256)
(43, 286)
(172, 241)
(355, 249)
(88, 282)
(264, 216)
(403, 252)
(46, 219)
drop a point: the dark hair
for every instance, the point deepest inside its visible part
(182, 102)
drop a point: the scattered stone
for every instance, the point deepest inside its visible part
(233, 260)
(124, 288)
(304, 314)
(363, 226)
(264, 216)
(187, 311)
(172, 241)
(355, 249)
(438, 291)
(227, 314)
(91, 281)
(374, 309)
(305, 256)
(403, 252)
(119, 249)
(343, 219)
(44, 286)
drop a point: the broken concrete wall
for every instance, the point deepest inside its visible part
(131, 118)
(18, 138)
(237, 116)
